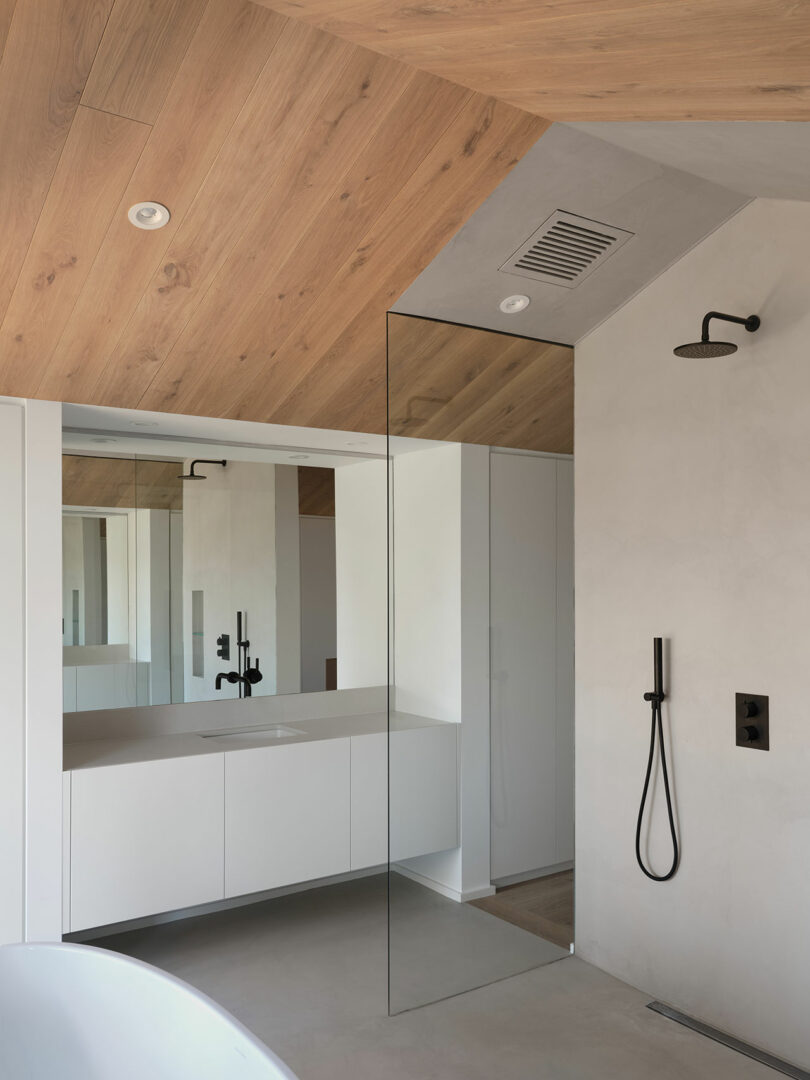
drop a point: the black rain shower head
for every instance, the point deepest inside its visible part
(705, 349)
(191, 475)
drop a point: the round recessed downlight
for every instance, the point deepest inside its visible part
(143, 423)
(299, 457)
(511, 305)
(148, 215)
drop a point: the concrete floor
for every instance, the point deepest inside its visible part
(308, 974)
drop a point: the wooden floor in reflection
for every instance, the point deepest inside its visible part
(543, 906)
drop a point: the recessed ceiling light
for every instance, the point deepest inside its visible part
(148, 215)
(362, 442)
(299, 457)
(511, 305)
(143, 423)
(102, 440)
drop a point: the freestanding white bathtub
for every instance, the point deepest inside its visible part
(73, 1012)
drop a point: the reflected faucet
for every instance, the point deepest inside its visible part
(248, 674)
(235, 677)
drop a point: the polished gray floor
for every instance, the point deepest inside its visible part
(308, 974)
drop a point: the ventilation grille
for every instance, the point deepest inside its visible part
(565, 250)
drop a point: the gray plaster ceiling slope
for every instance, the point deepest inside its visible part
(667, 209)
(764, 158)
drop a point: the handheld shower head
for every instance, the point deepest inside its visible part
(705, 349)
(191, 475)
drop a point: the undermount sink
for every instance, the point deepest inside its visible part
(265, 734)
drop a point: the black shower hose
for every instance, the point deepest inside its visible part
(657, 726)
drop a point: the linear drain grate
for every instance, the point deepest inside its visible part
(565, 250)
(741, 1047)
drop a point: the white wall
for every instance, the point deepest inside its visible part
(361, 506)
(30, 668)
(441, 630)
(693, 522)
(318, 600)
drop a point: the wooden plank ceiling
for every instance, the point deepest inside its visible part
(476, 386)
(309, 181)
(596, 59)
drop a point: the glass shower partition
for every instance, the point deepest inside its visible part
(444, 938)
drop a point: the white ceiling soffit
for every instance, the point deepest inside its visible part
(668, 211)
(770, 159)
(127, 431)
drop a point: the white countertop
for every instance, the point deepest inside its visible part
(94, 753)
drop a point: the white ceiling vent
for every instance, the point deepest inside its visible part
(565, 250)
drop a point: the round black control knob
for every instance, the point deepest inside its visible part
(749, 709)
(750, 733)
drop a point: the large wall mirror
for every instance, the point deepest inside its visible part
(208, 577)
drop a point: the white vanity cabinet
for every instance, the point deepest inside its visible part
(149, 836)
(286, 814)
(423, 766)
(144, 838)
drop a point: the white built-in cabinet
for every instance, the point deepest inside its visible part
(532, 663)
(287, 815)
(158, 836)
(145, 837)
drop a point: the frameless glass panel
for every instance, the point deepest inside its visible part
(481, 605)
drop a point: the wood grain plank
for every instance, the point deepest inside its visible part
(290, 91)
(100, 153)
(6, 14)
(479, 148)
(596, 59)
(383, 116)
(139, 55)
(229, 50)
(48, 53)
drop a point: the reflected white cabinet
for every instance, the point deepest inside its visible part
(286, 814)
(145, 838)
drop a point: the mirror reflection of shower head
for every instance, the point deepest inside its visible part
(705, 349)
(191, 475)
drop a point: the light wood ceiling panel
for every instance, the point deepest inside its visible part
(231, 263)
(99, 156)
(231, 46)
(6, 13)
(121, 483)
(461, 384)
(596, 59)
(139, 55)
(47, 56)
(307, 370)
(309, 180)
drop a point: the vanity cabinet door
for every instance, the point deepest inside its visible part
(286, 815)
(145, 838)
(424, 794)
(369, 800)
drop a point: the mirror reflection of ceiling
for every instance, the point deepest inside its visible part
(121, 482)
(591, 60)
(461, 384)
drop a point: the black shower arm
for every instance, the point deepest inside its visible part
(750, 323)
